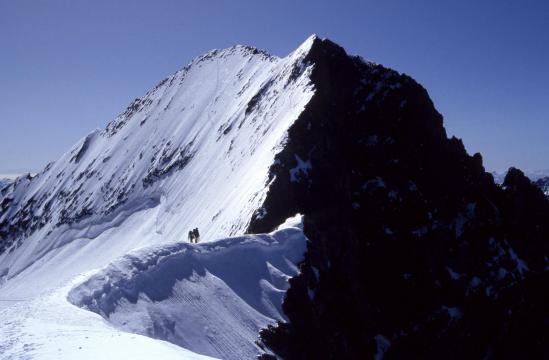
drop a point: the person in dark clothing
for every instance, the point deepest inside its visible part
(196, 235)
(191, 236)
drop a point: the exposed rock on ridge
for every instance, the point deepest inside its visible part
(414, 251)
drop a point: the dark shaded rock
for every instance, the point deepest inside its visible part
(169, 161)
(543, 184)
(414, 252)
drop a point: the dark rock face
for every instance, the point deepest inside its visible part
(414, 252)
(543, 184)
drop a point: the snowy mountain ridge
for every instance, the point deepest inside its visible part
(4, 183)
(210, 298)
(225, 113)
(195, 151)
(240, 141)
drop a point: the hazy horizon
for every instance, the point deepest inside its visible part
(70, 67)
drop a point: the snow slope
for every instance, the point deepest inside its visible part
(193, 152)
(210, 298)
(49, 327)
(6, 179)
(3, 183)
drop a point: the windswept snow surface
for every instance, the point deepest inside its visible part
(6, 179)
(193, 152)
(210, 298)
(51, 328)
(4, 182)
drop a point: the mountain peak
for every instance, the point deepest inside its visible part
(308, 43)
(239, 141)
(242, 50)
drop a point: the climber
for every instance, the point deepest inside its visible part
(196, 235)
(191, 236)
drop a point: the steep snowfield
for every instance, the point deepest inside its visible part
(193, 152)
(6, 179)
(210, 298)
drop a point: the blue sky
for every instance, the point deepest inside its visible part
(68, 67)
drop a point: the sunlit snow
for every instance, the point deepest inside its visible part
(193, 152)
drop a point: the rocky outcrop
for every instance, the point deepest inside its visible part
(414, 252)
(543, 184)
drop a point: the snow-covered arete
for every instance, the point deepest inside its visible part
(193, 152)
(210, 298)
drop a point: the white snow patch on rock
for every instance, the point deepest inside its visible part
(301, 170)
(383, 345)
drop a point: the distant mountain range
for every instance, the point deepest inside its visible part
(543, 184)
(532, 175)
(539, 178)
